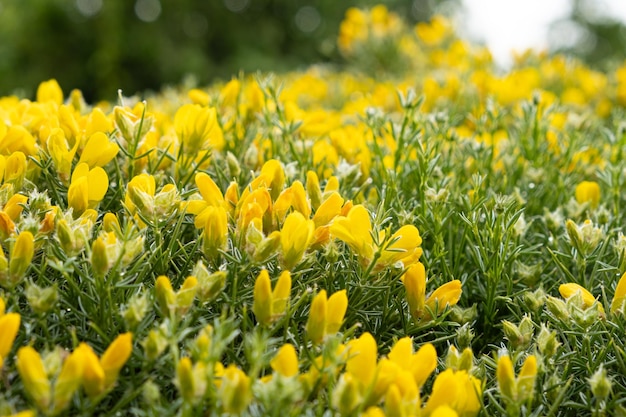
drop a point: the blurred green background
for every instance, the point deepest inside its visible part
(100, 46)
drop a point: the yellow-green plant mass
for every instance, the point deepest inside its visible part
(421, 234)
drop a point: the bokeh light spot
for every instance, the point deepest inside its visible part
(236, 6)
(148, 10)
(89, 8)
(308, 19)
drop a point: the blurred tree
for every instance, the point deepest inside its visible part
(100, 46)
(590, 34)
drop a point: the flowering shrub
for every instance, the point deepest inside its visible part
(444, 240)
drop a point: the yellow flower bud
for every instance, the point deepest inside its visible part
(110, 223)
(114, 358)
(140, 194)
(393, 402)
(209, 284)
(620, 295)
(414, 280)
(316, 324)
(165, 295)
(93, 374)
(21, 256)
(295, 237)
(262, 304)
(186, 295)
(313, 189)
(281, 295)
(215, 231)
(336, 310)
(185, 379)
(234, 392)
(33, 374)
(69, 380)
(61, 154)
(506, 377)
(285, 362)
(13, 208)
(99, 257)
(346, 396)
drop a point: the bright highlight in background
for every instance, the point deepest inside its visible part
(506, 26)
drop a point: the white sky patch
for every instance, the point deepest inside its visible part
(511, 25)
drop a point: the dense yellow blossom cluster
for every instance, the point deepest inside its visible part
(261, 246)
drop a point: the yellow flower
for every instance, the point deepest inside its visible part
(295, 197)
(362, 359)
(285, 362)
(423, 363)
(87, 188)
(457, 390)
(9, 326)
(520, 389)
(445, 296)
(50, 91)
(271, 177)
(588, 192)
(420, 307)
(295, 237)
(326, 315)
(433, 32)
(100, 375)
(142, 198)
(570, 289)
(215, 230)
(620, 295)
(268, 306)
(34, 378)
(211, 197)
(116, 355)
(140, 194)
(69, 380)
(61, 153)
(13, 208)
(355, 230)
(98, 150)
(230, 92)
(171, 302)
(18, 139)
(197, 127)
(404, 247)
(15, 169)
